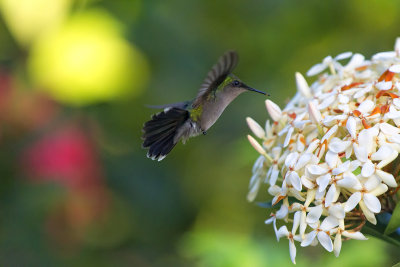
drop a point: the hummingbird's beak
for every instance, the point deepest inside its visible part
(254, 90)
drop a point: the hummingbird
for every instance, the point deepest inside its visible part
(191, 118)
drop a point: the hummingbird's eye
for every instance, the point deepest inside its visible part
(236, 83)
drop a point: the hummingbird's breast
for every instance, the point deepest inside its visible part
(213, 108)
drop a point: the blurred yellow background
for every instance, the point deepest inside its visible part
(75, 76)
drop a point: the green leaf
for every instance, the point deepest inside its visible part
(357, 171)
(373, 231)
(396, 265)
(394, 222)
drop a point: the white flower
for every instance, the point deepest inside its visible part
(322, 233)
(328, 62)
(283, 232)
(366, 197)
(331, 154)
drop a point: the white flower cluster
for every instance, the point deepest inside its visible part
(328, 156)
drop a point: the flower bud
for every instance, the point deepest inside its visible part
(315, 114)
(274, 110)
(397, 46)
(255, 128)
(256, 145)
(302, 85)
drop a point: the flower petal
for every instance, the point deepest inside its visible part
(303, 160)
(306, 182)
(314, 113)
(282, 212)
(327, 102)
(361, 152)
(316, 170)
(337, 245)
(283, 231)
(366, 106)
(389, 158)
(337, 145)
(296, 221)
(292, 251)
(356, 61)
(255, 186)
(379, 190)
(382, 153)
(354, 235)
(372, 202)
(288, 137)
(329, 223)
(270, 220)
(343, 55)
(341, 168)
(388, 129)
(314, 214)
(349, 181)
(314, 70)
(291, 159)
(369, 215)
(365, 138)
(384, 55)
(330, 133)
(344, 99)
(372, 182)
(309, 238)
(368, 169)
(352, 202)
(295, 181)
(351, 126)
(395, 68)
(274, 175)
(331, 159)
(395, 138)
(276, 152)
(337, 211)
(383, 85)
(258, 164)
(330, 195)
(323, 181)
(325, 241)
(387, 178)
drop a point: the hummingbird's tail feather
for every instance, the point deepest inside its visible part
(159, 133)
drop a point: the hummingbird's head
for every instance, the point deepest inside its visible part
(235, 85)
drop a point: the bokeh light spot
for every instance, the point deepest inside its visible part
(88, 61)
(28, 19)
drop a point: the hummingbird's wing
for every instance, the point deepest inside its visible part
(216, 75)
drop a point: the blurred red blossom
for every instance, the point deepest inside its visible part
(66, 155)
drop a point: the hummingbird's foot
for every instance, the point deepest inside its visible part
(204, 132)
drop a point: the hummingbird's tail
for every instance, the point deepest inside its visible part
(159, 132)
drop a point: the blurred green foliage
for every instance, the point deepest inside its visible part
(76, 187)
